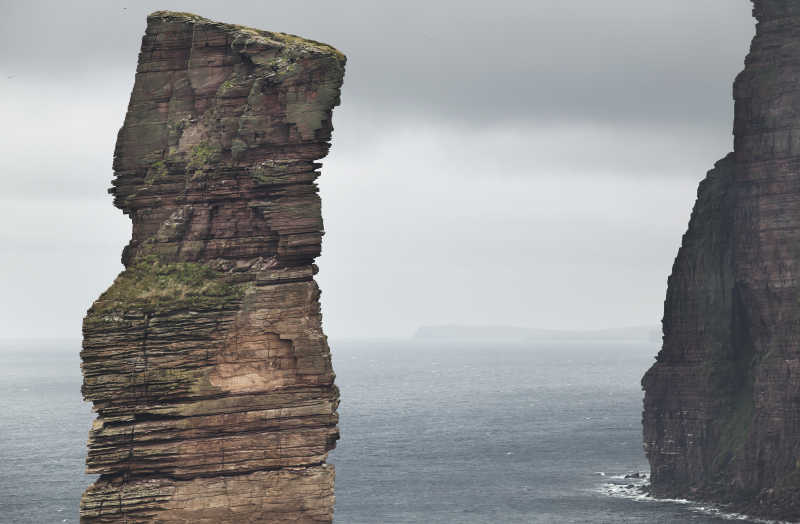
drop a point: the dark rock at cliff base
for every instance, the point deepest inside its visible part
(722, 403)
(205, 360)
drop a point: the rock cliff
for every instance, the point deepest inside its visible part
(722, 402)
(205, 360)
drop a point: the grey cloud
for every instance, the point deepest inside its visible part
(503, 162)
(611, 61)
(429, 245)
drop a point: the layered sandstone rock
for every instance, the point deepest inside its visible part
(722, 403)
(205, 359)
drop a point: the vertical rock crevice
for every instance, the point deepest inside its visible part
(205, 360)
(721, 418)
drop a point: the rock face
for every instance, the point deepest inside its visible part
(205, 359)
(722, 403)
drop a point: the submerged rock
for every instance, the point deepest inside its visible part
(722, 402)
(205, 360)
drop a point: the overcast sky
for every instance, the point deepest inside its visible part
(527, 163)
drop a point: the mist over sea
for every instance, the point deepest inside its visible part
(433, 431)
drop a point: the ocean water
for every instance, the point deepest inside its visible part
(432, 432)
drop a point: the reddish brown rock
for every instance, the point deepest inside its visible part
(205, 360)
(722, 403)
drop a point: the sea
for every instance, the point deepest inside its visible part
(432, 431)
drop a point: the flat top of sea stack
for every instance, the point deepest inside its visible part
(257, 35)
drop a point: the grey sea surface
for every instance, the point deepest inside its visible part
(432, 432)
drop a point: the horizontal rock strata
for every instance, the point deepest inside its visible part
(722, 403)
(205, 360)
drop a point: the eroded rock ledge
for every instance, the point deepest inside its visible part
(722, 403)
(205, 360)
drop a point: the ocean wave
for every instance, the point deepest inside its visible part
(629, 487)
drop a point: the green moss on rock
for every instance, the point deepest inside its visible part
(200, 160)
(734, 430)
(151, 286)
(157, 171)
(201, 156)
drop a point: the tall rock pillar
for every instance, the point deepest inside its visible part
(205, 360)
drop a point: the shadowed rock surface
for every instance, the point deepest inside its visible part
(722, 403)
(205, 360)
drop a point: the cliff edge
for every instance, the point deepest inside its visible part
(722, 403)
(205, 360)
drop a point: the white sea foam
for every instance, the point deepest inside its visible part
(636, 489)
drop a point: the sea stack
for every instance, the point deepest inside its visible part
(722, 402)
(205, 359)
